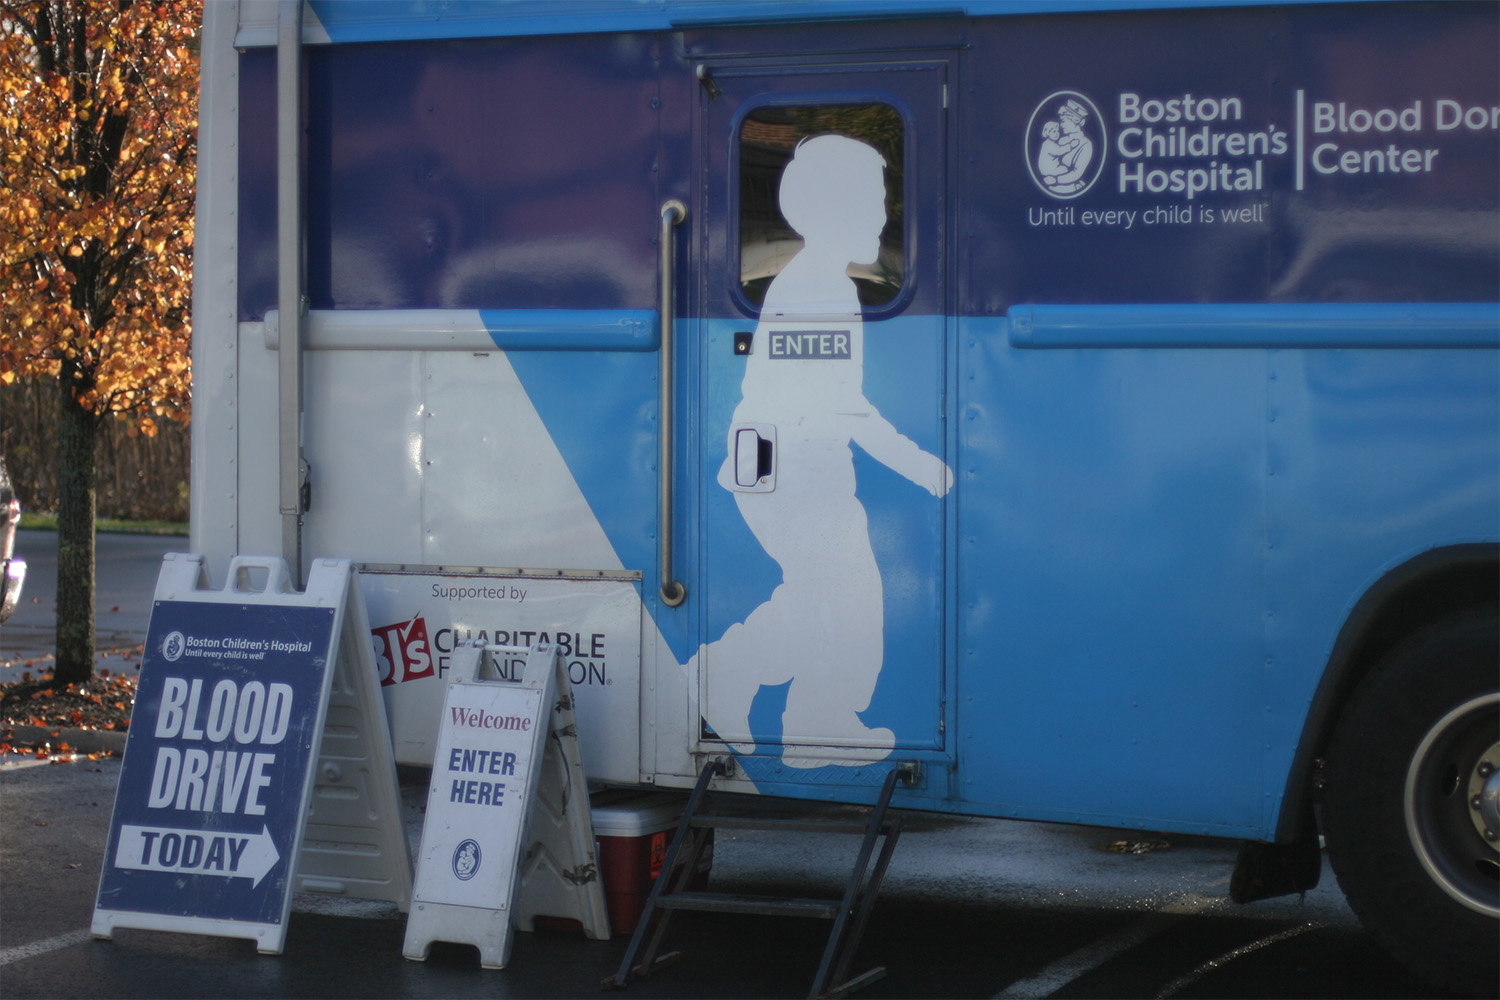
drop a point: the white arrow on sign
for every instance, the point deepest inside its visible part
(197, 852)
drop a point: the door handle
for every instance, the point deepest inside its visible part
(754, 458)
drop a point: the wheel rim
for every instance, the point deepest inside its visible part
(1446, 804)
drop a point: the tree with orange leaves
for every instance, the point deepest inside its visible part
(98, 109)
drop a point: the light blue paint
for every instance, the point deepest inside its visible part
(1303, 325)
(572, 329)
(1158, 547)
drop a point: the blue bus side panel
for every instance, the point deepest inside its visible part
(523, 173)
(1153, 548)
(1377, 235)
(1108, 667)
(489, 174)
(1157, 549)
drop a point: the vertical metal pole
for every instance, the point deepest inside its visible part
(289, 294)
(673, 212)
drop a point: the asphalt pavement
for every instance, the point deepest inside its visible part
(971, 907)
(125, 578)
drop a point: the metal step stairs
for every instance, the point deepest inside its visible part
(849, 914)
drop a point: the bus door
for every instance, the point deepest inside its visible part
(823, 464)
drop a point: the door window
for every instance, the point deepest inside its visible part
(768, 136)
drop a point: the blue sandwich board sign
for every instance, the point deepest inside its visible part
(217, 783)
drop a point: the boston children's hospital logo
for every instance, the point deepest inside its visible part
(1065, 144)
(173, 645)
(466, 860)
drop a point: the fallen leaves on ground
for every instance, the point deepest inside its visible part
(102, 703)
(1136, 846)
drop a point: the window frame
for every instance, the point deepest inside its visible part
(735, 182)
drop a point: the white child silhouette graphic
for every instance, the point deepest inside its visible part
(823, 627)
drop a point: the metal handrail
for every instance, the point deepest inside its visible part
(673, 212)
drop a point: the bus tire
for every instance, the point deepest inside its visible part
(1407, 809)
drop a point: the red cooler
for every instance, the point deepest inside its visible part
(632, 831)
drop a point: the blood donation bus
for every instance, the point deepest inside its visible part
(1092, 408)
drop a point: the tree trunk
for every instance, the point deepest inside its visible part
(77, 429)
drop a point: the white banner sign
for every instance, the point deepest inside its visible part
(418, 616)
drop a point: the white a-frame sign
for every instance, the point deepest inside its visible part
(259, 760)
(508, 834)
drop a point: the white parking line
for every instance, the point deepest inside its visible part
(24, 951)
(1068, 968)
